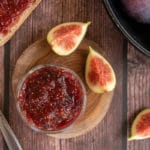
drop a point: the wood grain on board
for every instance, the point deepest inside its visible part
(129, 97)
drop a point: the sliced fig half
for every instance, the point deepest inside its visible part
(99, 74)
(141, 126)
(66, 37)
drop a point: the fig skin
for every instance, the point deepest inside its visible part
(98, 87)
(138, 9)
(74, 39)
(134, 134)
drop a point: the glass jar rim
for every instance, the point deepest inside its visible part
(19, 87)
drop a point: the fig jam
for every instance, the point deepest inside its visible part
(10, 10)
(51, 98)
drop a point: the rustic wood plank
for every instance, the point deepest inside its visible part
(138, 91)
(108, 134)
(1, 76)
(44, 17)
(1, 86)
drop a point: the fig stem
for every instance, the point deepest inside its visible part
(91, 49)
(131, 138)
(88, 23)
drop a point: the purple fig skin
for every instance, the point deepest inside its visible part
(138, 9)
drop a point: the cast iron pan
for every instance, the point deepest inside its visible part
(138, 34)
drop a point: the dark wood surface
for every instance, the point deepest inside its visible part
(132, 69)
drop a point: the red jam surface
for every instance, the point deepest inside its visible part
(10, 10)
(51, 98)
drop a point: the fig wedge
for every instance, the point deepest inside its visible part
(141, 126)
(65, 38)
(99, 74)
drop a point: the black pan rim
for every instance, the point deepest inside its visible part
(123, 30)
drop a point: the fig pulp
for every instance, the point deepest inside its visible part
(99, 74)
(141, 126)
(66, 37)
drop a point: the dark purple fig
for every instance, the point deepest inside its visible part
(138, 9)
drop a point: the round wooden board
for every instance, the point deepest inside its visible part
(41, 53)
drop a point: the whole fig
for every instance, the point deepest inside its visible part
(138, 9)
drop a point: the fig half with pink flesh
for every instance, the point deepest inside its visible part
(99, 74)
(65, 38)
(141, 126)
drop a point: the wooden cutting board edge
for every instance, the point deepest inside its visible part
(40, 53)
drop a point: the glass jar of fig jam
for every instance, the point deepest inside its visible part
(50, 98)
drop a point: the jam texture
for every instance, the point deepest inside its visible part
(51, 98)
(10, 10)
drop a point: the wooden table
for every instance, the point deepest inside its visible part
(132, 68)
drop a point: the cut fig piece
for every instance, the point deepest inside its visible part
(65, 38)
(141, 126)
(99, 74)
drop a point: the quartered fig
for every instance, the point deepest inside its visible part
(66, 37)
(99, 74)
(141, 126)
